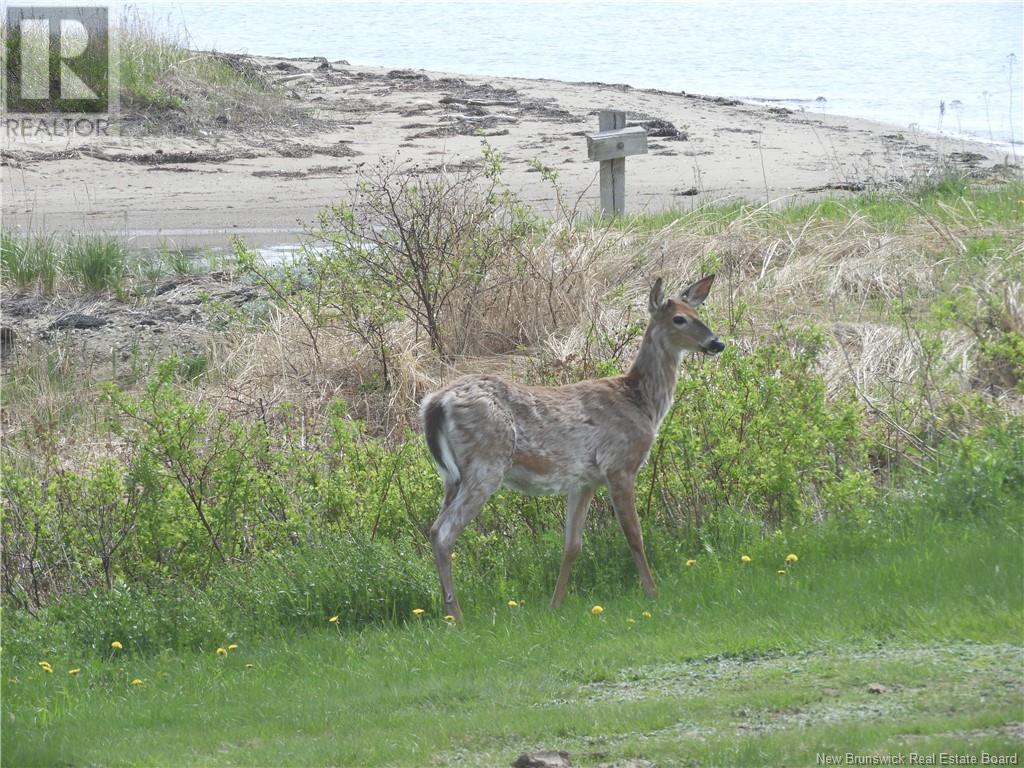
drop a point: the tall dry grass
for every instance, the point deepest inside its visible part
(568, 303)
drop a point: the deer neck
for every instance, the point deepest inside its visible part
(653, 374)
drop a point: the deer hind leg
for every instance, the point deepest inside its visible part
(624, 501)
(463, 502)
(576, 504)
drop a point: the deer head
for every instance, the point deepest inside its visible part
(677, 320)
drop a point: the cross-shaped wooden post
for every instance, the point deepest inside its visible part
(613, 143)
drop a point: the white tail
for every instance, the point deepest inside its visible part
(485, 432)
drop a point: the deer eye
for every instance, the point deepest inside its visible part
(679, 320)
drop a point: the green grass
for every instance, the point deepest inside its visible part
(97, 264)
(31, 263)
(737, 666)
(158, 71)
(950, 200)
(89, 263)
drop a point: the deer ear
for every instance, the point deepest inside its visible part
(696, 293)
(657, 297)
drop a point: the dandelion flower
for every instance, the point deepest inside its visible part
(449, 618)
(74, 671)
(333, 619)
(597, 610)
(646, 614)
(782, 573)
(45, 666)
(116, 645)
(745, 559)
(417, 612)
(690, 563)
(513, 604)
(455, 556)
(631, 621)
(136, 681)
(233, 647)
(791, 558)
(249, 666)
(222, 652)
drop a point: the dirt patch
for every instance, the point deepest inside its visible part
(174, 318)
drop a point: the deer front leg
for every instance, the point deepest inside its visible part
(576, 504)
(621, 489)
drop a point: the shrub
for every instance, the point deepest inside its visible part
(754, 434)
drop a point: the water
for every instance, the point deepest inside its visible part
(891, 61)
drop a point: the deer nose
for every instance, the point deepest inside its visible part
(714, 347)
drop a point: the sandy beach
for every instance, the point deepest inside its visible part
(267, 185)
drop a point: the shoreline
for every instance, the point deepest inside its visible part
(196, 190)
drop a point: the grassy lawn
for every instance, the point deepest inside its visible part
(737, 665)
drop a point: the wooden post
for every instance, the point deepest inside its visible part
(611, 145)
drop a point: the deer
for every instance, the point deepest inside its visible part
(484, 432)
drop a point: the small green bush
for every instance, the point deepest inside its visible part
(754, 435)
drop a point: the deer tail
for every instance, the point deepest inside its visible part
(434, 413)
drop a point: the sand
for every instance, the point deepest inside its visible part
(267, 185)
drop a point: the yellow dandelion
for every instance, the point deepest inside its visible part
(45, 666)
(449, 618)
(455, 556)
(782, 573)
(74, 671)
(417, 612)
(233, 646)
(597, 610)
(690, 563)
(513, 604)
(333, 619)
(222, 652)
(116, 645)
(249, 666)
(791, 558)
(631, 621)
(646, 614)
(745, 559)
(136, 681)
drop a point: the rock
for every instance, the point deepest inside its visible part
(877, 688)
(324, 63)
(542, 760)
(686, 192)
(76, 321)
